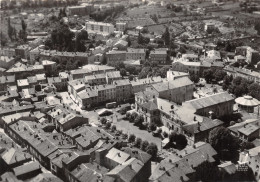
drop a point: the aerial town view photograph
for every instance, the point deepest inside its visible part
(130, 91)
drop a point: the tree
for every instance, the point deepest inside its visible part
(128, 115)
(208, 75)
(254, 90)
(165, 135)
(3, 39)
(123, 72)
(144, 145)
(152, 127)
(24, 26)
(140, 38)
(139, 120)
(133, 116)
(108, 125)
(152, 150)
(131, 138)
(113, 128)
(103, 121)
(219, 75)
(138, 142)
(221, 140)
(195, 78)
(80, 41)
(178, 140)
(227, 80)
(206, 171)
(257, 27)
(181, 141)
(104, 61)
(167, 37)
(10, 29)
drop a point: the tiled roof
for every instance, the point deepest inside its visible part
(150, 105)
(46, 177)
(117, 155)
(91, 172)
(147, 95)
(181, 82)
(7, 79)
(138, 154)
(13, 156)
(206, 124)
(128, 170)
(248, 129)
(27, 168)
(210, 100)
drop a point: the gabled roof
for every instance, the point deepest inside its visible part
(13, 156)
(46, 177)
(117, 155)
(210, 100)
(181, 82)
(138, 154)
(248, 129)
(206, 124)
(128, 170)
(150, 105)
(27, 168)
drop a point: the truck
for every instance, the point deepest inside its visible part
(111, 105)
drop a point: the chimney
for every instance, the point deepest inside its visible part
(119, 155)
(199, 126)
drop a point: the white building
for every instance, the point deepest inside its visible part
(99, 27)
(120, 26)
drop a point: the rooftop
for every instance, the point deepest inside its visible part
(117, 155)
(211, 100)
(27, 168)
(173, 84)
(248, 129)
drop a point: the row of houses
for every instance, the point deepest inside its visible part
(117, 90)
(197, 68)
(159, 56)
(244, 73)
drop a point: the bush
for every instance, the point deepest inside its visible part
(124, 136)
(152, 127)
(113, 128)
(138, 142)
(128, 115)
(133, 116)
(152, 150)
(144, 145)
(103, 121)
(165, 135)
(108, 125)
(131, 138)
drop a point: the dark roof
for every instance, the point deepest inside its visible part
(150, 105)
(206, 124)
(138, 154)
(27, 168)
(46, 177)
